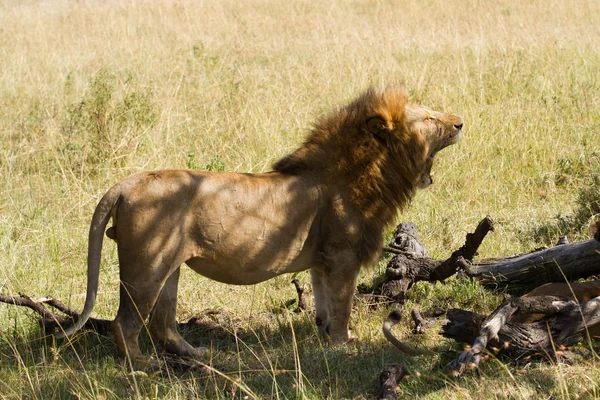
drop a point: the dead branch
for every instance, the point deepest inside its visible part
(565, 261)
(410, 266)
(207, 320)
(420, 323)
(389, 379)
(50, 321)
(26, 301)
(522, 326)
(59, 305)
(406, 240)
(302, 306)
(471, 357)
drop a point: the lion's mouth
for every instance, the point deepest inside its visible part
(451, 139)
(456, 137)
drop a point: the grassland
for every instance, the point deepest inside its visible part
(93, 91)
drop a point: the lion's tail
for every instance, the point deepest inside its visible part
(391, 320)
(102, 215)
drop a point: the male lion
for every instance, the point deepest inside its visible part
(323, 208)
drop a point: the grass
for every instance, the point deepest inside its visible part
(92, 92)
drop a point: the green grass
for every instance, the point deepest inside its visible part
(91, 92)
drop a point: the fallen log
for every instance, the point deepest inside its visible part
(567, 262)
(49, 321)
(534, 324)
(406, 240)
(410, 263)
(516, 274)
(210, 320)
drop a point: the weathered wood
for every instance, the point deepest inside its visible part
(50, 321)
(409, 266)
(522, 326)
(474, 240)
(490, 327)
(546, 321)
(565, 262)
(462, 325)
(209, 319)
(420, 323)
(389, 379)
(406, 240)
(26, 301)
(302, 306)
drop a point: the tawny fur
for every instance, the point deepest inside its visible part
(392, 319)
(323, 208)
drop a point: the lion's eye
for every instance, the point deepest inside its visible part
(431, 118)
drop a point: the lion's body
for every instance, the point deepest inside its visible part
(236, 228)
(323, 208)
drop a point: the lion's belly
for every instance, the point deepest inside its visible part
(236, 273)
(253, 249)
(253, 228)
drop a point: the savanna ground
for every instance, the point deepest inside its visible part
(93, 91)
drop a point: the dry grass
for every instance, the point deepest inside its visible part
(93, 91)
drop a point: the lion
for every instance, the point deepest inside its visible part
(324, 207)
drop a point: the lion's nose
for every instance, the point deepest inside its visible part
(459, 126)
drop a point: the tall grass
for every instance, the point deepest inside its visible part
(93, 91)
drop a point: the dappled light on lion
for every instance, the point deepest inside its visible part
(324, 207)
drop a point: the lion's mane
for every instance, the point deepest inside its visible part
(376, 173)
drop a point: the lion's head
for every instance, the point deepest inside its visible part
(441, 129)
(377, 145)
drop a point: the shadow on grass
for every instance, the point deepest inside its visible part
(268, 356)
(279, 356)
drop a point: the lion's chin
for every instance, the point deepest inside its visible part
(458, 136)
(454, 139)
(450, 140)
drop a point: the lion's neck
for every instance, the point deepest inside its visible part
(377, 180)
(378, 198)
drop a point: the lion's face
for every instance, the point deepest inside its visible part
(438, 129)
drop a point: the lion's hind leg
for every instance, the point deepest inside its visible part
(163, 323)
(143, 275)
(136, 301)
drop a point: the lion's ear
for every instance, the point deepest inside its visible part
(378, 126)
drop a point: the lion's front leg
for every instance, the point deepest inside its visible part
(334, 288)
(341, 287)
(321, 301)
